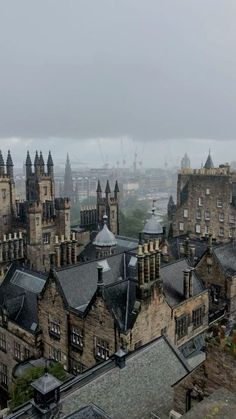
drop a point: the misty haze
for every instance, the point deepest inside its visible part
(117, 209)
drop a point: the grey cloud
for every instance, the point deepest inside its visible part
(147, 69)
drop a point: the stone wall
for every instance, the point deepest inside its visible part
(217, 371)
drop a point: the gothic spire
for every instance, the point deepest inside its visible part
(99, 189)
(209, 163)
(9, 166)
(2, 164)
(108, 189)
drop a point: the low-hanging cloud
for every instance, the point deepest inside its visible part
(150, 70)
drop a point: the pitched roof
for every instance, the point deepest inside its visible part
(79, 282)
(226, 255)
(137, 389)
(172, 276)
(18, 294)
(88, 412)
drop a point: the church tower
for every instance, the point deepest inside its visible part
(68, 181)
(40, 185)
(7, 195)
(109, 205)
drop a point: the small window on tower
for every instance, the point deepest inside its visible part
(37, 221)
(45, 190)
(185, 213)
(4, 193)
(113, 214)
(4, 218)
(67, 216)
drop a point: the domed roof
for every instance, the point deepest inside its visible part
(105, 238)
(152, 225)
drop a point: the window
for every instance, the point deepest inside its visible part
(54, 327)
(207, 191)
(46, 238)
(221, 217)
(181, 226)
(185, 213)
(26, 353)
(207, 230)
(219, 203)
(215, 291)
(230, 232)
(182, 326)
(67, 216)
(77, 338)
(198, 214)
(4, 193)
(76, 367)
(200, 202)
(207, 215)
(102, 349)
(55, 353)
(221, 232)
(232, 218)
(17, 351)
(3, 374)
(198, 228)
(45, 190)
(4, 220)
(3, 345)
(198, 316)
(113, 214)
(37, 221)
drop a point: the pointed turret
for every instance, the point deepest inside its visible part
(36, 164)
(116, 190)
(28, 164)
(108, 189)
(209, 163)
(2, 165)
(9, 166)
(99, 189)
(50, 164)
(41, 163)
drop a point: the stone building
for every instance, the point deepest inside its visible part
(38, 229)
(89, 311)
(217, 269)
(92, 216)
(206, 200)
(19, 332)
(217, 372)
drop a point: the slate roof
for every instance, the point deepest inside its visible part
(105, 238)
(143, 386)
(175, 244)
(46, 383)
(172, 276)
(226, 255)
(153, 226)
(79, 283)
(120, 299)
(89, 412)
(20, 297)
(123, 244)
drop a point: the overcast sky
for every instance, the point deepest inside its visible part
(161, 72)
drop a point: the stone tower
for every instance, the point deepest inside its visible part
(7, 195)
(108, 205)
(40, 185)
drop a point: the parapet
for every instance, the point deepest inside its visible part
(35, 208)
(216, 171)
(62, 203)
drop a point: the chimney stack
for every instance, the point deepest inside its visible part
(140, 265)
(146, 263)
(191, 283)
(186, 283)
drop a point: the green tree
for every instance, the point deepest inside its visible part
(22, 390)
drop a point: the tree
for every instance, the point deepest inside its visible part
(22, 390)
